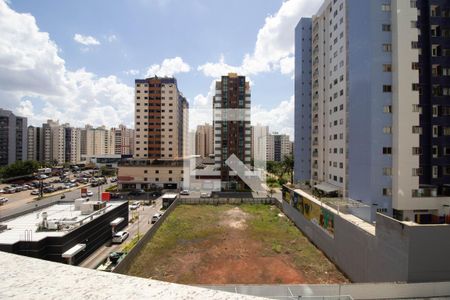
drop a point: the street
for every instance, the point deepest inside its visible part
(145, 214)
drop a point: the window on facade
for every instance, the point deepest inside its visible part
(387, 171)
(386, 27)
(388, 109)
(387, 88)
(387, 47)
(387, 192)
(387, 68)
(387, 150)
(417, 130)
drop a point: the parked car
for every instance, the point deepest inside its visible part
(156, 194)
(135, 205)
(156, 217)
(35, 192)
(136, 192)
(119, 237)
(184, 192)
(10, 190)
(3, 200)
(113, 179)
(205, 195)
(89, 193)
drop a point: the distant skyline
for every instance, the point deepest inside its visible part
(76, 61)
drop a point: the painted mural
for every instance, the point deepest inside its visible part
(312, 211)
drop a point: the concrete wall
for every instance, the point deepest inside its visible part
(398, 251)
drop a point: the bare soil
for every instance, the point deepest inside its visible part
(231, 245)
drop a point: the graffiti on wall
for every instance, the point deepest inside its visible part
(312, 211)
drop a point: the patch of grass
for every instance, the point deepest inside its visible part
(112, 188)
(200, 225)
(130, 245)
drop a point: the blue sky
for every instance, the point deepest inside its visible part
(84, 69)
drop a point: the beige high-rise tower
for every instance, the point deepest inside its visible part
(160, 119)
(204, 140)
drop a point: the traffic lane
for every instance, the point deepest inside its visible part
(144, 224)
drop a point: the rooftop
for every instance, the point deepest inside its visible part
(26, 227)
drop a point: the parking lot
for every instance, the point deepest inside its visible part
(55, 188)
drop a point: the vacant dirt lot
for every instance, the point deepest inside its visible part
(246, 244)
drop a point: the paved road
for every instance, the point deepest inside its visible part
(19, 205)
(144, 224)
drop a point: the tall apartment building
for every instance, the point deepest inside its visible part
(47, 139)
(278, 146)
(260, 136)
(72, 145)
(97, 141)
(13, 138)
(378, 125)
(204, 140)
(123, 140)
(161, 119)
(35, 141)
(55, 143)
(303, 115)
(232, 129)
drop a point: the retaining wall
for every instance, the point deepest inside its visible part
(394, 252)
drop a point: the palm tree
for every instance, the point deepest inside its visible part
(288, 166)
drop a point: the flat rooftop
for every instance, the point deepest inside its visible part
(25, 227)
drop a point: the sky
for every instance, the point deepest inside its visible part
(76, 61)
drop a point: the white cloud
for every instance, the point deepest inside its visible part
(287, 65)
(25, 108)
(218, 69)
(274, 45)
(49, 89)
(86, 40)
(132, 72)
(169, 67)
(111, 38)
(279, 119)
(200, 100)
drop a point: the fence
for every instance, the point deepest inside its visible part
(123, 266)
(233, 201)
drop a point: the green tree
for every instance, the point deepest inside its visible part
(288, 166)
(107, 171)
(19, 168)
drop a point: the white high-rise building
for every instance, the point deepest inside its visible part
(361, 120)
(278, 146)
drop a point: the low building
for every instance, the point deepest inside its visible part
(105, 160)
(145, 174)
(65, 231)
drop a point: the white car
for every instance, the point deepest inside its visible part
(205, 195)
(3, 200)
(184, 192)
(35, 192)
(119, 237)
(89, 193)
(156, 217)
(135, 205)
